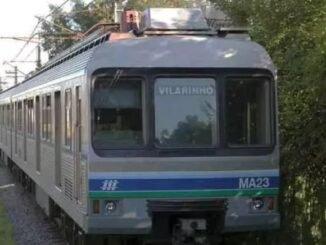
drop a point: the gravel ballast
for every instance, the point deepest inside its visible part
(30, 224)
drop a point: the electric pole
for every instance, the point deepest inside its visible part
(1, 83)
(14, 74)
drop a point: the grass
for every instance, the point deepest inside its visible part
(6, 233)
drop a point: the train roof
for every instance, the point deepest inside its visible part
(167, 38)
(180, 52)
(157, 52)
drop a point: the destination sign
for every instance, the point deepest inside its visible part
(186, 90)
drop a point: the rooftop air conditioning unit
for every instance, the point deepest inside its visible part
(173, 19)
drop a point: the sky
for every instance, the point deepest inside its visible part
(17, 18)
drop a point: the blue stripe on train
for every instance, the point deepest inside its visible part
(181, 184)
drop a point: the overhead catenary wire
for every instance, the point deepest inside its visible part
(30, 53)
(57, 25)
(32, 35)
(70, 34)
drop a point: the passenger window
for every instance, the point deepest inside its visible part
(20, 117)
(248, 112)
(68, 119)
(43, 117)
(47, 118)
(118, 113)
(30, 117)
(12, 116)
(4, 115)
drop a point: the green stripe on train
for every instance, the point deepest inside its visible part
(173, 194)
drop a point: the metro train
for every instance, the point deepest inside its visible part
(167, 133)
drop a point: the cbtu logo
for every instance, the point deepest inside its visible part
(258, 182)
(109, 185)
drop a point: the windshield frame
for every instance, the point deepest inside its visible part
(272, 113)
(149, 149)
(142, 81)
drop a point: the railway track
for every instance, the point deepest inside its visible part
(30, 225)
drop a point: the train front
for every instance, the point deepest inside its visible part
(183, 139)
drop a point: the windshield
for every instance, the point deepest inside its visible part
(248, 112)
(185, 112)
(118, 113)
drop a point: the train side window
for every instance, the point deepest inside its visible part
(248, 112)
(16, 126)
(79, 118)
(12, 116)
(1, 116)
(68, 119)
(46, 118)
(2, 121)
(30, 117)
(49, 116)
(20, 117)
(118, 113)
(14, 112)
(4, 115)
(8, 117)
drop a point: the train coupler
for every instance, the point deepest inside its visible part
(188, 222)
(189, 231)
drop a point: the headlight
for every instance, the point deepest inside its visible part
(110, 207)
(257, 203)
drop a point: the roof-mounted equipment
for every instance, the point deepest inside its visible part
(173, 21)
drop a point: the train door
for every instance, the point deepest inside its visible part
(57, 137)
(25, 129)
(77, 145)
(7, 126)
(11, 128)
(38, 133)
(15, 128)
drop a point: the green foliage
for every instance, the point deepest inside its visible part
(293, 32)
(6, 233)
(83, 16)
(78, 20)
(191, 131)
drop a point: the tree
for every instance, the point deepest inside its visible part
(294, 34)
(81, 17)
(189, 132)
(56, 34)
